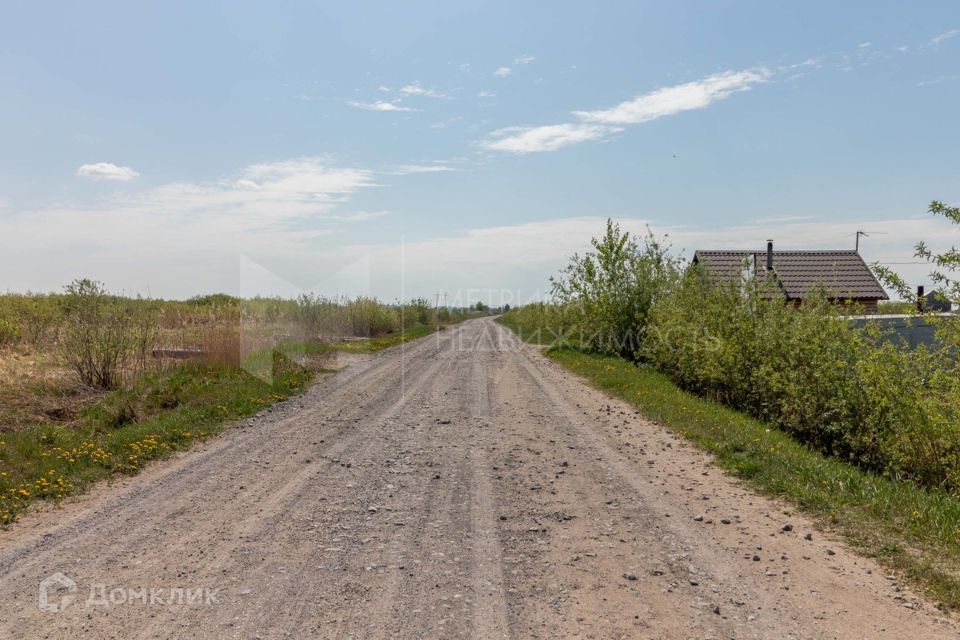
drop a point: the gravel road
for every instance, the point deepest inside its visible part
(460, 486)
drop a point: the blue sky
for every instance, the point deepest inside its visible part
(403, 148)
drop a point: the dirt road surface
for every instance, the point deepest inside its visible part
(462, 486)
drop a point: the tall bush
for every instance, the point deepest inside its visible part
(611, 289)
(103, 335)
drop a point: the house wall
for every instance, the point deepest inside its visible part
(869, 305)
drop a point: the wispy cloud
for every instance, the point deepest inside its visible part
(106, 171)
(407, 169)
(380, 105)
(416, 89)
(486, 94)
(546, 138)
(600, 123)
(946, 35)
(938, 80)
(669, 101)
(261, 193)
(503, 72)
(524, 59)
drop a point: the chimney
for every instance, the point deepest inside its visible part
(769, 255)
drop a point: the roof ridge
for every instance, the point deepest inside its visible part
(776, 251)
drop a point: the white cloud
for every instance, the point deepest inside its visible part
(546, 138)
(486, 94)
(668, 101)
(263, 195)
(598, 124)
(407, 169)
(383, 88)
(106, 171)
(503, 72)
(380, 105)
(938, 80)
(864, 45)
(524, 59)
(416, 89)
(946, 35)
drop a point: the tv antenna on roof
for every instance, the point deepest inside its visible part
(865, 234)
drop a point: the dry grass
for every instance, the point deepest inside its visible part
(36, 387)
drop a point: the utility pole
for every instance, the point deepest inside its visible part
(441, 295)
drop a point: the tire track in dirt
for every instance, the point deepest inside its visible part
(457, 589)
(490, 609)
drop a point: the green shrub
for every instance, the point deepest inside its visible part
(368, 317)
(610, 291)
(543, 323)
(9, 331)
(418, 311)
(34, 317)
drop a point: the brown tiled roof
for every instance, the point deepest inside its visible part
(843, 274)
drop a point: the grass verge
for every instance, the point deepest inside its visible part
(913, 532)
(161, 413)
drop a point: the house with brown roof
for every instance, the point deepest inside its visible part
(841, 273)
